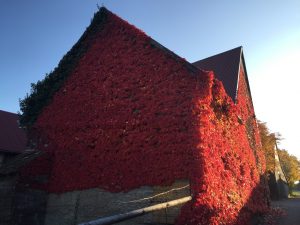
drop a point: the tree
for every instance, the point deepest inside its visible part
(268, 141)
(290, 165)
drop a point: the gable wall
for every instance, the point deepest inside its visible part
(132, 115)
(123, 119)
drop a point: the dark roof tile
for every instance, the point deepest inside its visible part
(225, 67)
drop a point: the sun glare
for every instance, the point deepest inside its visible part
(276, 92)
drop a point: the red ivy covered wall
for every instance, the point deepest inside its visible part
(234, 186)
(133, 114)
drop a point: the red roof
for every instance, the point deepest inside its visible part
(225, 67)
(12, 137)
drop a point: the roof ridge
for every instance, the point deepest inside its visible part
(158, 45)
(3, 111)
(225, 66)
(234, 49)
(189, 65)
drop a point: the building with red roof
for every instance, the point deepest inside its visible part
(12, 137)
(13, 155)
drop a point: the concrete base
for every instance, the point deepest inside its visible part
(75, 207)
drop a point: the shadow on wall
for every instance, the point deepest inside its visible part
(252, 212)
(29, 206)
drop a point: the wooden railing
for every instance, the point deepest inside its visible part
(138, 212)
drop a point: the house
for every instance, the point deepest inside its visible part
(12, 138)
(123, 123)
(13, 155)
(12, 143)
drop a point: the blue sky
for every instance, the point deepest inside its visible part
(35, 34)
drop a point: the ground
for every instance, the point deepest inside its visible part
(292, 208)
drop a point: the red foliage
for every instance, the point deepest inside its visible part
(232, 189)
(132, 114)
